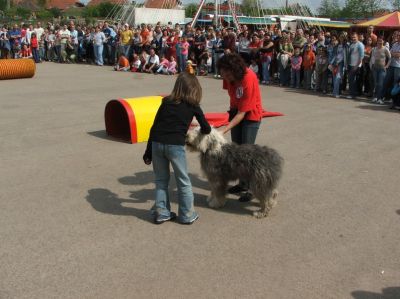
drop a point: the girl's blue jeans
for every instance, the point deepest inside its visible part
(182, 62)
(163, 155)
(337, 79)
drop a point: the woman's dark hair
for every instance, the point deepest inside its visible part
(234, 64)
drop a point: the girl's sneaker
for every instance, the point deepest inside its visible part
(159, 219)
(190, 221)
(374, 100)
(380, 102)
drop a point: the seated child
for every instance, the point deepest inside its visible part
(122, 65)
(172, 66)
(25, 52)
(254, 67)
(205, 63)
(16, 49)
(163, 67)
(136, 63)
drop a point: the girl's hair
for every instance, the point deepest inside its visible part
(187, 89)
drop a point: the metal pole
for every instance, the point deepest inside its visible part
(216, 13)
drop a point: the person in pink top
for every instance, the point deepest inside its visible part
(163, 66)
(184, 51)
(295, 61)
(172, 66)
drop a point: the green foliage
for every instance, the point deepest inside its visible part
(396, 4)
(360, 8)
(44, 14)
(41, 3)
(55, 12)
(101, 10)
(190, 10)
(250, 8)
(330, 8)
(3, 5)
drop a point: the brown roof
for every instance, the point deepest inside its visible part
(63, 4)
(160, 4)
(97, 2)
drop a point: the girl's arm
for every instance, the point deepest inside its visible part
(205, 127)
(147, 157)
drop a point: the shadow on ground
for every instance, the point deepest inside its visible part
(378, 108)
(387, 293)
(105, 201)
(103, 135)
(398, 212)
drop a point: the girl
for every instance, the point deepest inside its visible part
(184, 51)
(35, 48)
(166, 146)
(308, 65)
(295, 61)
(172, 66)
(163, 66)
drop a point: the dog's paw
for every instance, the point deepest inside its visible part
(260, 214)
(215, 203)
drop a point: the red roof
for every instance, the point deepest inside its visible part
(63, 4)
(97, 2)
(160, 4)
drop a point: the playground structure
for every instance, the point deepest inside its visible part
(131, 119)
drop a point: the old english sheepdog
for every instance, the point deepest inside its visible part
(223, 162)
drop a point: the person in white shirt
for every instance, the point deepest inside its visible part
(98, 40)
(39, 30)
(65, 35)
(152, 62)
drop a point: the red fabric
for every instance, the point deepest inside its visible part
(245, 96)
(221, 119)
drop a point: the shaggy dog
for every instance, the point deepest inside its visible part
(223, 162)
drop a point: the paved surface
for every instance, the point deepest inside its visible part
(74, 220)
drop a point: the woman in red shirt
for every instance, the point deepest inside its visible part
(172, 40)
(245, 111)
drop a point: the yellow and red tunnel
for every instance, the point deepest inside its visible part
(17, 68)
(131, 119)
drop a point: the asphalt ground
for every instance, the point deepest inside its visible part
(74, 208)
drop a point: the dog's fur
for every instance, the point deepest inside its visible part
(223, 162)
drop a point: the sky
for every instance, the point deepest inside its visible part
(313, 4)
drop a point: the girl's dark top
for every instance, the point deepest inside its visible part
(172, 122)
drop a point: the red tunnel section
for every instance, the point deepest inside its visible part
(116, 116)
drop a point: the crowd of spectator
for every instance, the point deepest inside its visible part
(336, 63)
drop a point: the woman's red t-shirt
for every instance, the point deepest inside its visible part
(245, 96)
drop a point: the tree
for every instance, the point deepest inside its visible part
(41, 3)
(330, 8)
(3, 5)
(361, 8)
(190, 10)
(251, 8)
(396, 4)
